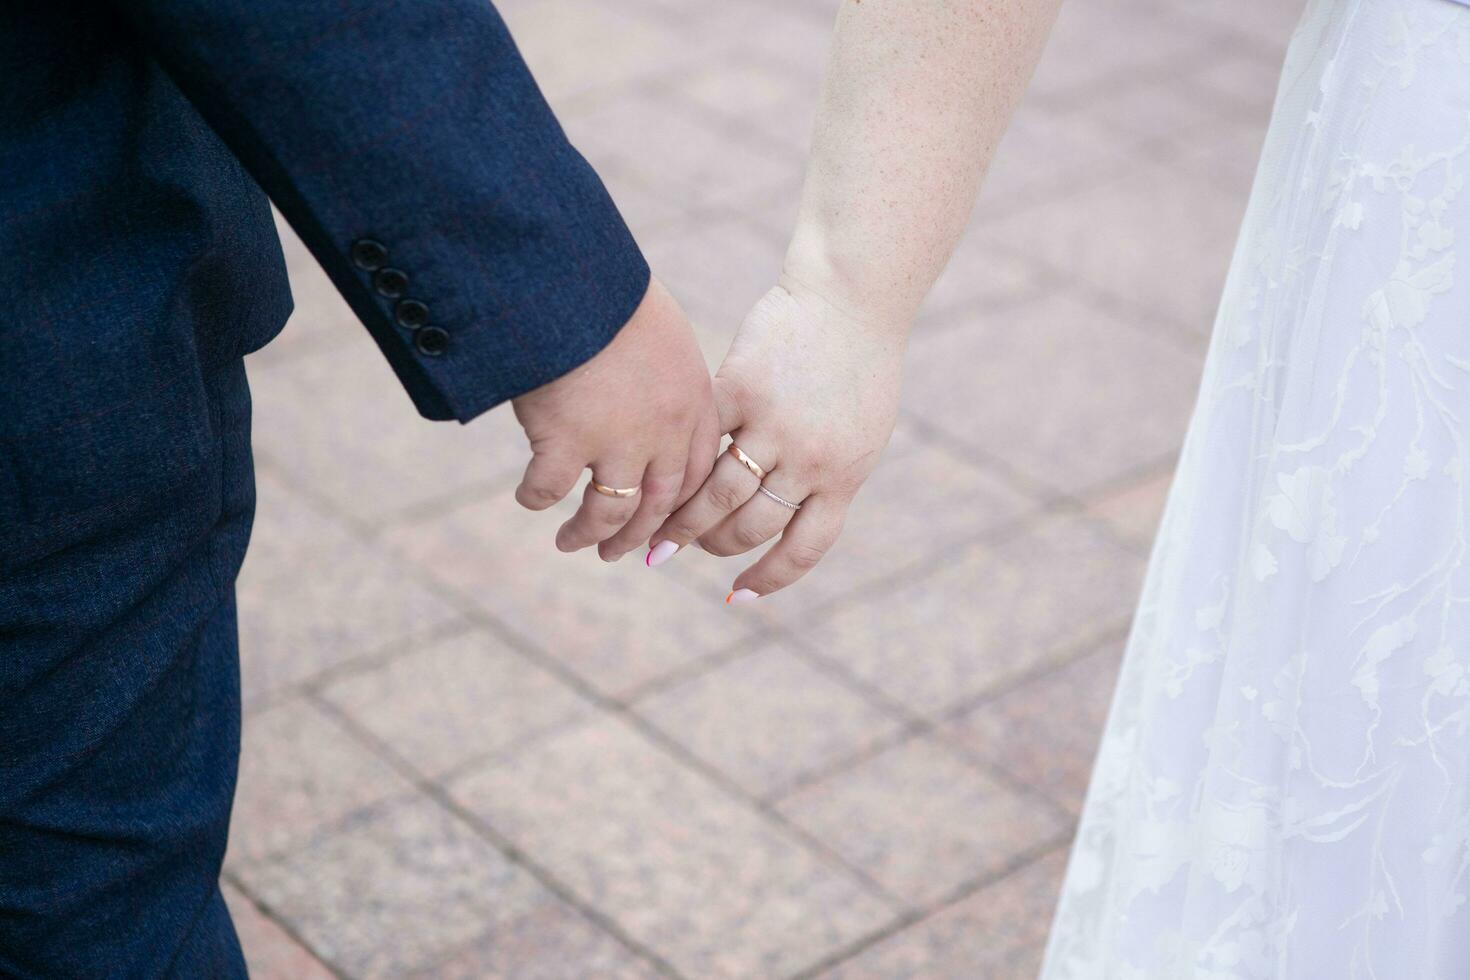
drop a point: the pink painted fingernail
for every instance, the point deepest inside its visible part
(660, 553)
(740, 596)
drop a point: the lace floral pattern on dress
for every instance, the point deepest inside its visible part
(1283, 788)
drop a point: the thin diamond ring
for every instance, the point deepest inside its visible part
(777, 498)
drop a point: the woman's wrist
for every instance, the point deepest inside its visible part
(847, 283)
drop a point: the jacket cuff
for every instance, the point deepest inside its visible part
(575, 280)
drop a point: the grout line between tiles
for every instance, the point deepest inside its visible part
(512, 852)
(1023, 860)
(266, 911)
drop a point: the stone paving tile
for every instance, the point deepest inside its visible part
(1166, 250)
(924, 496)
(717, 269)
(397, 890)
(987, 618)
(768, 720)
(1148, 114)
(795, 32)
(1024, 963)
(1135, 509)
(1045, 732)
(554, 942)
(1047, 156)
(1047, 386)
(1240, 84)
(270, 952)
(312, 596)
(338, 422)
(757, 92)
(580, 50)
(1225, 155)
(299, 772)
(978, 278)
(996, 934)
(680, 152)
(618, 626)
(1268, 25)
(1093, 48)
(676, 861)
(461, 698)
(922, 820)
(645, 210)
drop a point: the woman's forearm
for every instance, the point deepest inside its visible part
(917, 95)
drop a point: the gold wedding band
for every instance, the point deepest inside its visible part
(612, 491)
(747, 462)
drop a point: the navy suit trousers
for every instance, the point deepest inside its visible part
(119, 677)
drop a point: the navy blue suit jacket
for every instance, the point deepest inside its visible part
(409, 147)
(404, 140)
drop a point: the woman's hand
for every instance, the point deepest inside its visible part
(809, 393)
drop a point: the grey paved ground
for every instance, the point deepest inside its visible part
(469, 756)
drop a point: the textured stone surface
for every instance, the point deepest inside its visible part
(979, 278)
(553, 942)
(681, 150)
(1044, 733)
(396, 890)
(1164, 255)
(1041, 387)
(1224, 154)
(312, 595)
(300, 772)
(987, 618)
(270, 952)
(336, 423)
(923, 499)
(1135, 508)
(579, 50)
(1046, 156)
(673, 858)
(460, 699)
(618, 626)
(1267, 25)
(760, 95)
(1101, 45)
(768, 720)
(953, 825)
(716, 297)
(997, 933)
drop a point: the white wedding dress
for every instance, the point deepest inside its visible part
(1283, 789)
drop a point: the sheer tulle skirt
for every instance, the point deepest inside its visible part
(1283, 789)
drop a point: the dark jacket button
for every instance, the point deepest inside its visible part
(431, 341)
(411, 313)
(390, 282)
(368, 254)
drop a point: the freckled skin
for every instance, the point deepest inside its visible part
(917, 95)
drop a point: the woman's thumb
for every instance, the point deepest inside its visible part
(727, 404)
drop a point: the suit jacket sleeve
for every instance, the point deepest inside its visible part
(409, 147)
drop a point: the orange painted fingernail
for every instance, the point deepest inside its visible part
(740, 596)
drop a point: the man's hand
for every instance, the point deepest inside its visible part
(640, 414)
